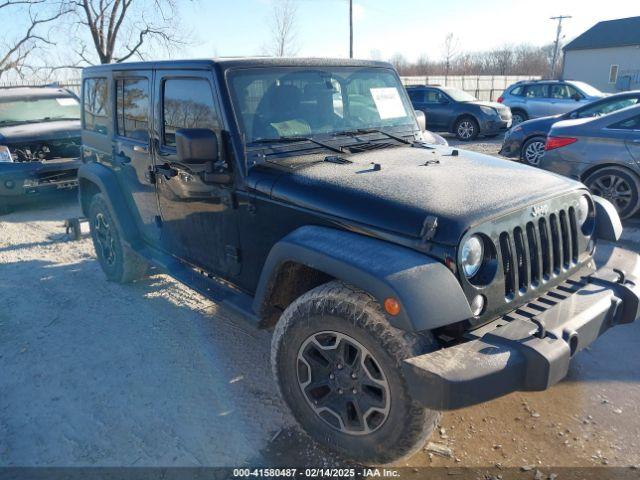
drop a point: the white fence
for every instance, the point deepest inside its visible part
(483, 87)
(72, 85)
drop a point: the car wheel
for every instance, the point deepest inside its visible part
(118, 262)
(533, 151)
(338, 362)
(618, 185)
(466, 129)
(518, 116)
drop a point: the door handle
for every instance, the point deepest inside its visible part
(140, 149)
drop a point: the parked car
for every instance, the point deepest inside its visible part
(541, 98)
(451, 110)
(602, 152)
(526, 140)
(39, 142)
(400, 277)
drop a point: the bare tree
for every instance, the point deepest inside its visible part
(15, 50)
(283, 28)
(113, 31)
(450, 51)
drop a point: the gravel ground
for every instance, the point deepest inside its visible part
(153, 374)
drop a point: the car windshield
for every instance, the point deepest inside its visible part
(38, 110)
(275, 103)
(588, 89)
(459, 95)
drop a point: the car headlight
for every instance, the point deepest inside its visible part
(489, 111)
(5, 154)
(585, 215)
(471, 255)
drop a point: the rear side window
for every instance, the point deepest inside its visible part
(536, 91)
(517, 91)
(95, 102)
(132, 108)
(187, 103)
(632, 123)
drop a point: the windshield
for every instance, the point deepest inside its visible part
(588, 89)
(459, 95)
(39, 110)
(272, 103)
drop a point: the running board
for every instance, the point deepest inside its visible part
(205, 284)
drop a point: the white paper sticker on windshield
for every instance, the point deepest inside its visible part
(66, 101)
(388, 102)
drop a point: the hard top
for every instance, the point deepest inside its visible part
(226, 63)
(23, 93)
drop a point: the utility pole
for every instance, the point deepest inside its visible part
(556, 44)
(350, 28)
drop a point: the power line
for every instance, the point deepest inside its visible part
(556, 44)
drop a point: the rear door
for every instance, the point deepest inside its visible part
(537, 100)
(631, 129)
(131, 147)
(198, 219)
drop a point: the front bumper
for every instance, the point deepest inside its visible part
(494, 125)
(512, 144)
(19, 180)
(532, 350)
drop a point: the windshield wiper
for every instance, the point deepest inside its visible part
(364, 131)
(297, 139)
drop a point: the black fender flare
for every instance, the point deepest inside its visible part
(608, 224)
(96, 176)
(430, 296)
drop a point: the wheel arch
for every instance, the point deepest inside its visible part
(94, 178)
(607, 164)
(429, 294)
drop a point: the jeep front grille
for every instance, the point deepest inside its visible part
(542, 249)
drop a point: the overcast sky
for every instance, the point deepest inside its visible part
(410, 27)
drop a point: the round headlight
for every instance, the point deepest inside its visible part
(471, 256)
(585, 215)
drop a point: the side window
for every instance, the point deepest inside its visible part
(187, 103)
(95, 104)
(416, 95)
(632, 123)
(132, 108)
(433, 96)
(518, 91)
(560, 91)
(536, 91)
(602, 108)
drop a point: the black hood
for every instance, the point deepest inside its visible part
(29, 132)
(413, 183)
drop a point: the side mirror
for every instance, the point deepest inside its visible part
(422, 120)
(196, 146)
(577, 97)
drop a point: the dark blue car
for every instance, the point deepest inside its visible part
(526, 140)
(456, 111)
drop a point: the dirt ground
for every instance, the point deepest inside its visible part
(153, 374)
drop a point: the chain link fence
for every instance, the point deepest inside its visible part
(483, 87)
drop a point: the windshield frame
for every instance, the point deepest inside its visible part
(237, 116)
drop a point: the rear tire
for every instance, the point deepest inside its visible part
(518, 116)
(466, 129)
(618, 185)
(118, 262)
(337, 361)
(533, 151)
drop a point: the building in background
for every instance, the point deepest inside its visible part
(606, 56)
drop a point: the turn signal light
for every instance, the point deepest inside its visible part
(392, 306)
(557, 142)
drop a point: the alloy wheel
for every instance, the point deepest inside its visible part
(466, 130)
(104, 238)
(517, 118)
(343, 383)
(615, 189)
(534, 152)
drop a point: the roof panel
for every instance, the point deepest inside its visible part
(607, 34)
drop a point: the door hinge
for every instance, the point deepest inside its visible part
(232, 253)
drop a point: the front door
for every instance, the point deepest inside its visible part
(131, 147)
(198, 218)
(438, 107)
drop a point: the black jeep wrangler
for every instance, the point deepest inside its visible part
(401, 278)
(39, 142)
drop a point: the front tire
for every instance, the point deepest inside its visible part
(533, 151)
(466, 129)
(338, 362)
(119, 264)
(618, 185)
